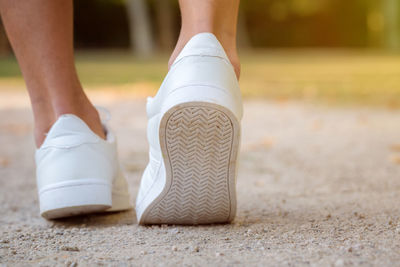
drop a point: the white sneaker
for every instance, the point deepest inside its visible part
(194, 136)
(78, 172)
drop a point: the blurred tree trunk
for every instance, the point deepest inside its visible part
(141, 38)
(375, 23)
(4, 46)
(165, 20)
(391, 10)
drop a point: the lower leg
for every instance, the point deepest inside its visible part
(216, 16)
(40, 32)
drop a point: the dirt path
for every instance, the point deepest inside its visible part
(317, 186)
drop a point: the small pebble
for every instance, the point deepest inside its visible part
(69, 248)
(339, 263)
(358, 246)
(174, 231)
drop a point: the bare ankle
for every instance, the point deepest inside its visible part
(84, 109)
(44, 118)
(92, 118)
(80, 106)
(42, 127)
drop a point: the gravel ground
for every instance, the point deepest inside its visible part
(317, 186)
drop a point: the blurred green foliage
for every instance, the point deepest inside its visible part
(338, 77)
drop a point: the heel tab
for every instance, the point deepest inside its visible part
(68, 131)
(202, 44)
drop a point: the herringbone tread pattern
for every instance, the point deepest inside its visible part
(199, 144)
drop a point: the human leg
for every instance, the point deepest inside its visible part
(215, 16)
(40, 32)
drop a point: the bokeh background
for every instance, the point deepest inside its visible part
(331, 51)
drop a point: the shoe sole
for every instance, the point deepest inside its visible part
(71, 198)
(199, 143)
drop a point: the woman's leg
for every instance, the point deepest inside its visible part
(41, 35)
(216, 16)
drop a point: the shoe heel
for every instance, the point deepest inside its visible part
(72, 198)
(199, 141)
(207, 94)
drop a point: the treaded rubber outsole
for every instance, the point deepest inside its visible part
(199, 143)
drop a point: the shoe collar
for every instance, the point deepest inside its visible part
(70, 131)
(202, 44)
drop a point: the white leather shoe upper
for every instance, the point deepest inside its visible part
(202, 64)
(73, 154)
(72, 151)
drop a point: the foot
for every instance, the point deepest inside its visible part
(194, 135)
(78, 172)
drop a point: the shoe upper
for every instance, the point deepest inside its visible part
(202, 63)
(72, 151)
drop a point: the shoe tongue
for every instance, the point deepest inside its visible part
(69, 130)
(203, 44)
